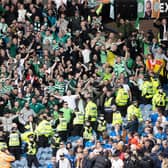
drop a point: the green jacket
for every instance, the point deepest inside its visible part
(37, 107)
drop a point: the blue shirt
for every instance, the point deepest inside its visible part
(89, 144)
(107, 146)
(154, 117)
(114, 133)
(161, 136)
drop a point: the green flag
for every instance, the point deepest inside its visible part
(137, 23)
(146, 49)
(140, 10)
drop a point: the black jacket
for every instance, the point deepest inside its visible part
(130, 163)
(161, 29)
(146, 162)
(86, 163)
(102, 162)
(132, 126)
(157, 163)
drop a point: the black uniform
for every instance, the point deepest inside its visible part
(102, 162)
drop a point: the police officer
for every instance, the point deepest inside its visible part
(101, 126)
(117, 118)
(55, 143)
(62, 126)
(31, 148)
(31, 124)
(121, 100)
(159, 99)
(91, 112)
(132, 110)
(155, 83)
(44, 131)
(108, 100)
(14, 142)
(109, 117)
(87, 132)
(78, 122)
(147, 90)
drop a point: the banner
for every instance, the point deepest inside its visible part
(152, 8)
(163, 8)
(137, 23)
(156, 9)
(140, 9)
(148, 9)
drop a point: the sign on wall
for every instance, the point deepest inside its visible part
(152, 8)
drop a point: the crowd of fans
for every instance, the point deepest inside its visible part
(97, 98)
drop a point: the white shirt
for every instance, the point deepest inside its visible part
(3, 27)
(24, 115)
(59, 152)
(21, 68)
(140, 83)
(117, 163)
(64, 163)
(63, 24)
(81, 106)
(86, 55)
(155, 130)
(163, 121)
(21, 15)
(160, 56)
(164, 32)
(70, 100)
(126, 88)
(59, 2)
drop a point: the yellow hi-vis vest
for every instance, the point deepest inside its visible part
(14, 140)
(91, 110)
(62, 126)
(122, 97)
(159, 100)
(79, 119)
(117, 118)
(3, 145)
(56, 140)
(147, 89)
(44, 128)
(133, 110)
(155, 84)
(29, 127)
(87, 134)
(31, 148)
(107, 103)
(101, 126)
